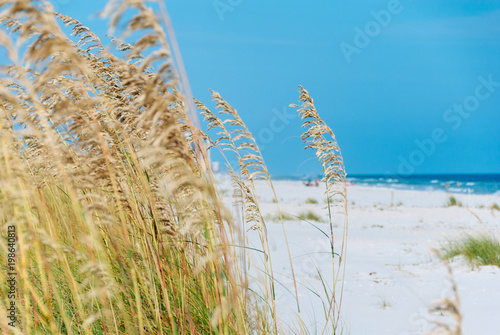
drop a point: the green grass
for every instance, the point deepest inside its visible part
(305, 216)
(310, 216)
(452, 201)
(495, 207)
(311, 201)
(276, 217)
(480, 250)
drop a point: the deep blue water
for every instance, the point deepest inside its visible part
(457, 183)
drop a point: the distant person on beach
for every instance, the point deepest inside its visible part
(310, 183)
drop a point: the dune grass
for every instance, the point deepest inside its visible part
(310, 216)
(302, 216)
(277, 217)
(118, 226)
(311, 201)
(118, 221)
(477, 250)
(452, 201)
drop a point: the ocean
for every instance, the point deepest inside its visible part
(456, 183)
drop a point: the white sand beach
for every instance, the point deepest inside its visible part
(391, 275)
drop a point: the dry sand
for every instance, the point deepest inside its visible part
(391, 275)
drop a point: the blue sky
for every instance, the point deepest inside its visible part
(384, 101)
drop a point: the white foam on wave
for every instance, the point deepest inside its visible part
(457, 190)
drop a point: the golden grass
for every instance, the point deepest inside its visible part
(447, 306)
(119, 228)
(319, 137)
(119, 223)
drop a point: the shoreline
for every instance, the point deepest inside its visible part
(465, 187)
(373, 195)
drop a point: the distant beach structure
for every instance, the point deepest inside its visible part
(311, 183)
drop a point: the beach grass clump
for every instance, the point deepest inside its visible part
(311, 201)
(452, 201)
(277, 217)
(306, 216)
(108, 192)
(310, 216)
(118, 225)
(495, 207)
(477, 250)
